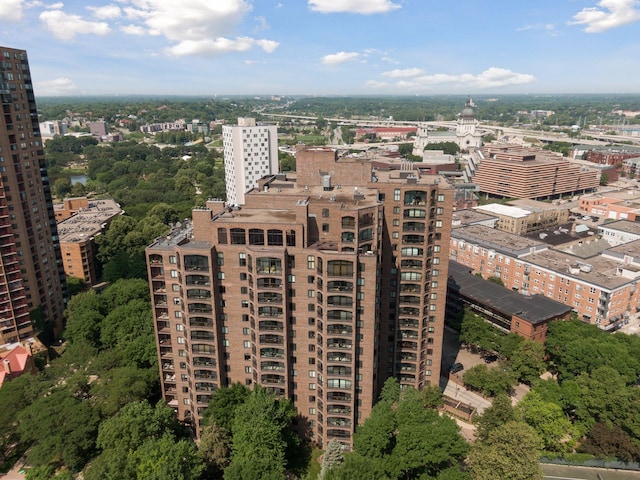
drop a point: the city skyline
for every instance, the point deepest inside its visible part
(325, 47)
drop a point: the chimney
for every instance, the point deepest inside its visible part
(7, 367)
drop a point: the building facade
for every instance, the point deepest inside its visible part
(81, 221)
(31, 273)
(466, 135)
(250, 153)
(601, 289)
(318, 288)
(518, 172)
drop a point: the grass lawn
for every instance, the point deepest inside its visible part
(310, 138)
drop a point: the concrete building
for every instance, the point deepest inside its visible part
(526, 218)
(620, 232)
(600, 289)
(321, 286)
(518, 172)
(466, 135)
(82, 220)
(508, 311)
(98, 129)
(250, 153)
(32, 277)
(616, 205)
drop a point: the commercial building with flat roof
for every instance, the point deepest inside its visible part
(88, 218)
(509, 311)
(320, 287)
(601, 289)
(518, 172)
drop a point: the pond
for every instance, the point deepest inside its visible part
(78, 179)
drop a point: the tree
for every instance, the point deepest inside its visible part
(121, 435)
(214, 448)
(62, 187)
(432, 396)
(548, 420)
(374, 438)
(426, 443)
(332, 458)
(500, 412)
(223, 404)
(509, 453)
(403, 440)
(287, 162)
(259, 441)
(167, 459)
(448, 148)
(527, 361)
(390, 390)
(605, 441)
(604, 179)
(70, 443)
(490, 381)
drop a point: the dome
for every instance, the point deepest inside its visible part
(467, 111)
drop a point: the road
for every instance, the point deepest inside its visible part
(565, 472)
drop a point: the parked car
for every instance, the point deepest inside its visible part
(456, 367)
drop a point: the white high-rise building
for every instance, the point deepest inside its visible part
(250, 153)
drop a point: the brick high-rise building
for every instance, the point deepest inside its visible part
(320, 287)
(31, 273)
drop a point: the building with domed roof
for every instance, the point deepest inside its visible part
(466, 134)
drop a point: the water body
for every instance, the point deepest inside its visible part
(78, 179)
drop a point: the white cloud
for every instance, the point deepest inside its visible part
(376, 84)
(66, 27)
(11, 10)
(133, 30)
(57, 86)
(493, 77)
(607, 14)
(197, 27)
(106, 12)
(340, 57)
(193, 20)
(403, 73)
(366, 7)
(220, 45)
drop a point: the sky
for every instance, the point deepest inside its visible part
(326, 47)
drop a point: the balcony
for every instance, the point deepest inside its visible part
(272, 379)
(339, 343)
(272, 339)
(339, 409)
(339, 329)
(339, 286)
(272, 366)
(275, 283)
(339, 397)
(270, 326)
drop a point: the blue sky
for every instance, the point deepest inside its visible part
(326, 47)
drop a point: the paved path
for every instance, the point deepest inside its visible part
(565, 472)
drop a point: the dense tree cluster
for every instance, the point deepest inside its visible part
(402, 438)
(109, 361)
(249, 435)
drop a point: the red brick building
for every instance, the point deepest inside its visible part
(324, 284)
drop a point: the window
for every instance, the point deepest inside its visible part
(172, 259)
(340, 268)
(242, 259)
(325, 212)
(441, 197)
(396, 194)
(325, 227)
(311, 262)
(274, 238)
(174, 274)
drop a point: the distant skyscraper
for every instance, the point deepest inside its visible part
(250, 153)
(31, 272)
